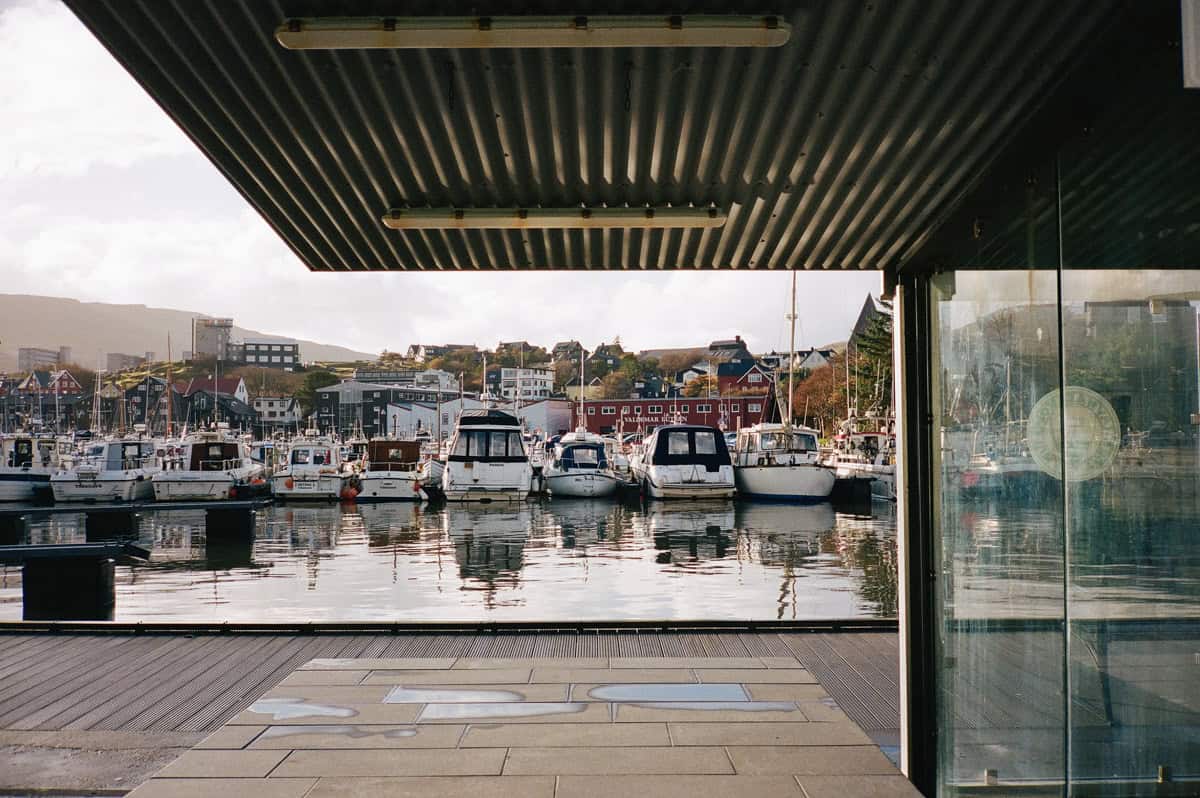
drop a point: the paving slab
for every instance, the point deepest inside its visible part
(748, 712)
(526, 712)
(349, 694)
(380, 663)
(224, 788)
(348, 736)
(391, 762)
(858, 787)
(759, 676)
(478, 663)
(786, 692)
(275, 712)
(448, 677)
(817, 760)
(476, 694)
(223, 764)
(781, 662)
(435, 787)
(616, 761)
(343, 677)
(612, 676)
(659, 691)
(805, 733)
(685, 662)
(230, 737)
(565, 735)
(679, 787)
(824, 711)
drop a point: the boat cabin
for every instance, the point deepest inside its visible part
(127, 455)
(28, 452)
(752, 439)
(214, 456)
(393, 455)
(491, 436)
(684, 444)
(313, 454)
(571, 455)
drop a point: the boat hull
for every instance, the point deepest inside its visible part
(389, 486)
(192, 486)
(22, 486)
(798, 483)
(118, 487)
(324, 487)
(480, 493)
(883, 478)
(581, 484)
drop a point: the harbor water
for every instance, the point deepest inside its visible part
(572, 560)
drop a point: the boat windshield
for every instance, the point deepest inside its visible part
(485, 444)
(312, 457)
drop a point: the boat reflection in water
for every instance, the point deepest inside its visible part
(582, 559)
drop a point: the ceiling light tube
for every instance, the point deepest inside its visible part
(551, 218)
(357, 33)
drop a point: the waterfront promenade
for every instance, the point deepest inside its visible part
(785, 707)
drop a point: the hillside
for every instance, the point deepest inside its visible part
(93, 329)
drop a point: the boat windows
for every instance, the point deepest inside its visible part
(706, 442)
(804, 442)
(497, 446)
(22, 454)
(301, 456)
(478, 444)
(677, 443)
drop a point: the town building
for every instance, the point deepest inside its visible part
(743, 377)
(593, 390)
(32, 358)
(276, 414)
(873, 308)
(428, 378)
(423, 353)
(204, 408)
(406, 419)
(351, 406)
(226, 386)
(119, 361)
(729, 349)
(270, 354)
(566, 350)
(53, 398)
(605, 416)
(211, 338)
(526, 384)
(606, 357)
(147, 403)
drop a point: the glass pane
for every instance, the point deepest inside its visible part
(998, 537)
(706, 442)
(1133, 482)
(677, 443)
(499, 444)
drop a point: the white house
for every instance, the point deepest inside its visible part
(527, 384)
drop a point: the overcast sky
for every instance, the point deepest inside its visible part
(104, 199)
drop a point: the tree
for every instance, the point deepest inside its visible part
(313, 381)
(566, 372)
(701, 386)
(820, 399)
(871, 366)
(675, 362)
(617, 386)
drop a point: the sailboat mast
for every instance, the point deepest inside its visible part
(791, 354)
(170, 390)
(582, 390)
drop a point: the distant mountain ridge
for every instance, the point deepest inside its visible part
(93, 329)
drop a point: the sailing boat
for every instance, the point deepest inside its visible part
(579, 464)
(781, 462)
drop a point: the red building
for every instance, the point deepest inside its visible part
(642, 415)
(743, 377)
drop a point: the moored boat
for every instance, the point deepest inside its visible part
(487, 459)
(211, 466)
(119, 470)
(579, 466)
(684, 461)
(390, 470)
(312, 471)
(781, 463)
(26, 464)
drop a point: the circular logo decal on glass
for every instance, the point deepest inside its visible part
(1093, 434)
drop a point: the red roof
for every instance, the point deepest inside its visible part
(228, 385)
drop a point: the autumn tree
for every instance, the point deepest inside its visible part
(675, 362)
(701, 386)
(617, 386)
(820, 399)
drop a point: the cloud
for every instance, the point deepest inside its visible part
(66, 104)
(112, 203)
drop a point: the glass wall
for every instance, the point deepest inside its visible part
(1065, 391)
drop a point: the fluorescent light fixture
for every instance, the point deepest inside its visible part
(358, 33)
(551, 218)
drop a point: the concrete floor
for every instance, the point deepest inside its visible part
(553, 727)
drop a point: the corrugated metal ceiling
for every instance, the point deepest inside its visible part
(841, 149)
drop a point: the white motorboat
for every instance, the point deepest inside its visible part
(26, 464)
(119, 470)
(866, 448)
(390, 470)
(579, 466)
(684, 461)
(211, 466)
(487, 459)
(782, 463)
(312, 470)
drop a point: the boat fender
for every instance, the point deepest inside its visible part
(289, 483)
(349, 493)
